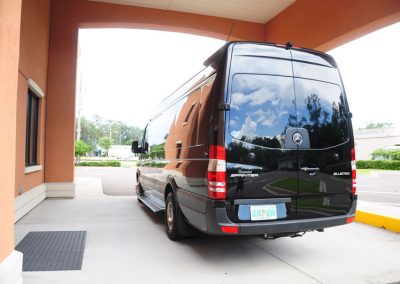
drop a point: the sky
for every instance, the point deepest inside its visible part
(370, 69)
(124, 73)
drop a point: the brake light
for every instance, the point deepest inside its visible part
(350, 220)
(353, 171)
(230, 229)
(217, 172)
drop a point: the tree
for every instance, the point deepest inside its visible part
(81, 148)
(119, 132)
(374, 125)
(105, 143)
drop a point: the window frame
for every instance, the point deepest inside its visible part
(32, 140)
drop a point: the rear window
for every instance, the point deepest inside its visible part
(321, 109)
(262, 106)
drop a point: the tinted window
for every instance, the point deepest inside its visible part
(262, 106)
(187, 119)
(158, 132)
(321, 110)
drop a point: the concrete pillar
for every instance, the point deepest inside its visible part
(60, 111)
(10, 18)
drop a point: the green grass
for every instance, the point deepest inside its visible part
(368, 171)
(99, 164)
(378, 164)
(291, 184)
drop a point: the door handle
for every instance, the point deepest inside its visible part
(308, 170)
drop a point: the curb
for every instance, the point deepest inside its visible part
(388, 223)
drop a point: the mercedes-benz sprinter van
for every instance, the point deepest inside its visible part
(260, 142)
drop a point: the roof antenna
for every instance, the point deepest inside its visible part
(227, 39)
(289, 45)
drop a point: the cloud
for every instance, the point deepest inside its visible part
(260, 96)
(255, 98)
(265, 118)
(237, 100)
(282, 113)
(248, 129)
(232, 123)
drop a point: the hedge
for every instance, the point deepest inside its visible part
(151, 164)
(100, 164)
(386, 154)
(378, 164)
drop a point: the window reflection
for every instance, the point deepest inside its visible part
(322, 111)
(260, 108)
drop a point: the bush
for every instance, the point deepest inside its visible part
(151, 164)
(100, 164)
(386, 154)
(378, 164)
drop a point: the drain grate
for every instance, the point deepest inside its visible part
(52, 251)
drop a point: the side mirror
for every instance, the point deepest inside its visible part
(135, 147)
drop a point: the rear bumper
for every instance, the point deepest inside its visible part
(216, 217)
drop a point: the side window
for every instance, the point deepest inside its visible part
(159, 133)
(32, 129)
(205, 112)
(186, 123)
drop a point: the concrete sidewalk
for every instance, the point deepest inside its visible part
(126, 243)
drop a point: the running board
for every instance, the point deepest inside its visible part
(150, 203)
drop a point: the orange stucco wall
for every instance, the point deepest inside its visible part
(67, 16)
(33, 62)
(324, 25)
(10, 15)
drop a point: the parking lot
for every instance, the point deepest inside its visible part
(126, 243)
(380, 187)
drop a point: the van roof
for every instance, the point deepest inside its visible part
(327, 60)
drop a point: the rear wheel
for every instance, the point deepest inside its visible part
(171, 215)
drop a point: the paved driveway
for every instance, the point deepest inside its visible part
(116, 181)
(379, 186)
(126, 243)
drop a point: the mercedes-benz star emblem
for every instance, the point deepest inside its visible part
(297, 138)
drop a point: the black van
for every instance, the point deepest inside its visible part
(260, 142)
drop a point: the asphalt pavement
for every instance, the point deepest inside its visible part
(379, 187)
(116, 181)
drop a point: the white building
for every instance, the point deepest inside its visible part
(368, 140)
(122, 152)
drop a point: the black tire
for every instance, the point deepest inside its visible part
(139, 191)
(178, 227)
(171, 218)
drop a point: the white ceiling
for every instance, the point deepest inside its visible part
(258, 11)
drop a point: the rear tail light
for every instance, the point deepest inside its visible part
(353, 171)
(230, 229)
(350, 220)
(217, 172)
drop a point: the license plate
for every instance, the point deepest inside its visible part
(263, 212)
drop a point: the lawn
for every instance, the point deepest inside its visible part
(291, 184)
(368, 171)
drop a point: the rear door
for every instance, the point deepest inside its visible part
(274, 93)
(324, 174)
(262, 104)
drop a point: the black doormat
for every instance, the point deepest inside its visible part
(52, 251)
